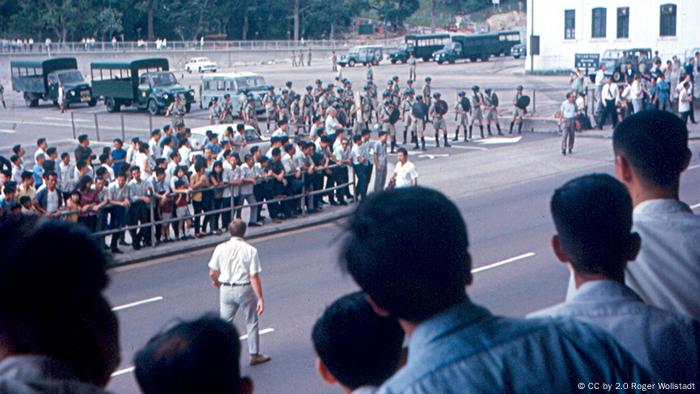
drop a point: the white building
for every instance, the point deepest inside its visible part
(567, 27)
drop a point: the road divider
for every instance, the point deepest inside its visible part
(137, 303)
(696, 206)
(503, 262)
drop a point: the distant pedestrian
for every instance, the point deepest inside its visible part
(294, 58)
(61, 99)
(2, 95)
(412, 67)
(568, 115)
(334, 62)
(308, 58)
(235, 269)
(685, 102)
(609, 94)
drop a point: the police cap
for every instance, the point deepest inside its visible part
(428, 79)
(410, 81)
(475, 88)
(285, 91)
(395, 77)
(309, 87)
(436, 95)
(461, 93)
(520, 87)
(388, 102)
(419, 97)
(288, 83)
(318, 81)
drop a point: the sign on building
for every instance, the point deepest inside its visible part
(588, 61)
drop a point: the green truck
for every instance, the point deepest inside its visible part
(39, 80)
(420, 46)
(477, 46)
(143, 83)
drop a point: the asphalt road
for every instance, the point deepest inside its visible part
(509, 228)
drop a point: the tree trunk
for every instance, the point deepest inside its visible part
(331, 35)
(432, 16)
(296, 19)
(244, 32)
(151, 36)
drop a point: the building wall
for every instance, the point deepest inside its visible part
(557, 53)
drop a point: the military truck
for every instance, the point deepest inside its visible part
(39, 80)
(143, 83)
(477, 46)
(420, 46)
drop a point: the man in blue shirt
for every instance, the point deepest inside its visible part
(408, 251)
(593, 218)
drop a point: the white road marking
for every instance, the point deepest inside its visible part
(694, 167)
(470, 147)
(123, 371)
(137, 303)
(65, 125)
(64, 119)
(499, 140)
(243, 337)
(503, 262)
(8, 131)
(696, 206)
(433, 156)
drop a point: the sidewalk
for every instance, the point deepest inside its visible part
(550, 126)
(329, 214)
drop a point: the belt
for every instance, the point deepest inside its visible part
(235, 284)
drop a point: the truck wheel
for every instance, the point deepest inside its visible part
(403, 61)
(426, 59)
(188, 106)
(451, 61)
(393, 61)
(30, 102)
(92, 102)
(351, 63)
(153, 107)
(440, 62)
(617, 76)
(111, 104)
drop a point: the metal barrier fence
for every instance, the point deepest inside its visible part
(144, 46)
(232, 209)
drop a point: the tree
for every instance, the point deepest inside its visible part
(109, 22)
(395, 11)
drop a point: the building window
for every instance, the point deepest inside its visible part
(599, 20)
(623, 22)
(569, 24)
(668, 20)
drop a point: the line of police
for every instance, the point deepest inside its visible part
(364, 111)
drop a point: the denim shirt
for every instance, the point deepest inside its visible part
(466, 349)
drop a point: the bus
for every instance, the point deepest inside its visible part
(420, 46)
(478, 46)
(39, 80)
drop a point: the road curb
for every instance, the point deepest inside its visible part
(203, 243)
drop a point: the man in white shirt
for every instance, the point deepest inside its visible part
(41, 146)
(281, 128)
(609, 96)
(332, 124)
(235, 269)
(569, 111)
(599, 82)
(685, 101)
(593, 218)
(404, 174)
(154, 148)
(651, 152)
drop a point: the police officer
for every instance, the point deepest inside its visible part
(284, 104)
(388, 91)
(419, 114)
(366, 105)
(412, 67)
(318, 91)
(406, 107)
(477, 102)
(438, 113)
(388, 116)
(226, 110)
(292, 93)
(370, 72)
(295, 111)
(396, 91)
(462, 109)
(517, 111)
(214, 115)
(491, 107)
(177, 110)
(373, 96)
(308, 106)
(427, 93)
(269, 101)
(251, 113)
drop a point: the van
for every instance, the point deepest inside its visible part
(365, 54)
(238, 85)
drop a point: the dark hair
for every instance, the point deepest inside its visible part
(118, 141)
(100, 172)
(80, 165)
(26, 175)
(356, 138)
(276, 152)
(402, 150)
(593, 217)
(103, 158)
(24, 199)
(83, 182)
(50, 151)
(82, 138)
(134, 168)
(155, 132)
(75, 323)
(159, 171)
(240, 127)
(65, 154)
(166, 141)
(174, 154)
(16, 149)
(656, 145)
(358, 347)
(199, 356)
(14, 158)
(40, 141)
(288, 147)
(391, 252)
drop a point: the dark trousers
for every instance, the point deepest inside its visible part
(340, 177)
(263, 192)
(218, 203)
(237, 204)
(692, 109)
(117, 218)
(200, 222)
(139, 214)
(89, 222)
(685, 115)
(363, 173)
(609, 109)
(226, 215)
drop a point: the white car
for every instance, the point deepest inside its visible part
(200, 64)
(199, 137)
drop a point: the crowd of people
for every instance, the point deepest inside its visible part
(629, 324)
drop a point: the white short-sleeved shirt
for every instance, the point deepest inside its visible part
(683, 105)
(405, 174)
(236, 261)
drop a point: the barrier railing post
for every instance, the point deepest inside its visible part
(123, 131)
(72, 121)
(151, 212)
(97, 127)
(150, 123)
(304, 202)
(534, 100)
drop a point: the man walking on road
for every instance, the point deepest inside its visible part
(235, 269)
(568, 115)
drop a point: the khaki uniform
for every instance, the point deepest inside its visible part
(477, 114)
(384, 114)
(226, 112)
(177, 111)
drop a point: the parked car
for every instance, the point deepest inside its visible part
(362, 54)
(238, 85)
(200, 64)
(420, 46)
(39, 80)
(518, 50)
(199, 137)
(616, 61)
(143, 83)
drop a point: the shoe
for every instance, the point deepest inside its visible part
(563, 152)
(447, 145)
(455, 139)
(277, 221)
(258, 359)
(571, 151)
(116, 251)
(255, 224)
(136, 246)
(343, 203)
(124, 243)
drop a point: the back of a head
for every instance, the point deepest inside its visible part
(408, 250)
(656, 145)
(199, 356)
(593, 217)
(52, 274)
(356, 345)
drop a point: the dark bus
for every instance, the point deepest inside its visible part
(143, 83)
(39, 80)
(478, 46)
(421, 46)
